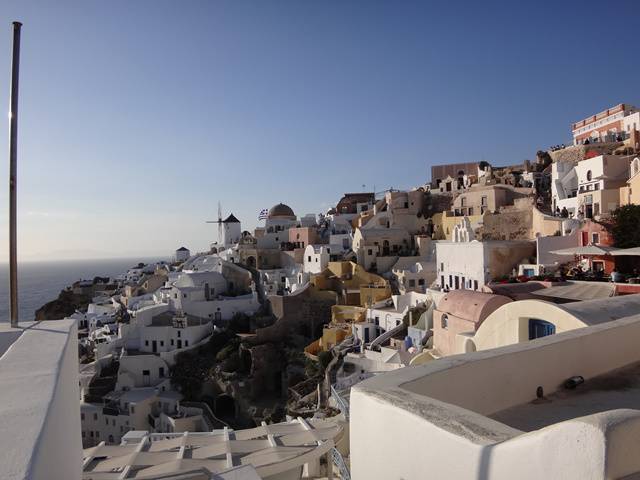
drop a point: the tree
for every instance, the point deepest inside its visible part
(623, 225)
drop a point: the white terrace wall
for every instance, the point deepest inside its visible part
(39, 406)
(431, 418)
(493, 380)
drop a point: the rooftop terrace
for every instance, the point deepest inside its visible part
(480, 418)
(617, 389)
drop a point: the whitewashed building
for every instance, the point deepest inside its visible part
(182, 254)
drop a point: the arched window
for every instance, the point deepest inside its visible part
(589, 175)
(444, 321)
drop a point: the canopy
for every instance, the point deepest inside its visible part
(588, 250)
(627, 251)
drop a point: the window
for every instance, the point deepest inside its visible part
(444, 321)
(412, 283)
(596, 186)
(106, 422)
(309, 258)
(369, 252)
(184, 295)
(179, 333)
(475, 284)
(589, 175)
(186, 343)
(540, 328)
(175, 295)
(162, 343)
(377, 320)
(83, 433)
(161, 372)
(133, 409)
(595, 238)
(463, 202)
(483, 201)
(172, 342)
(95, 416)
(82, 416)
(146, 372)
(441, 266)
(146, 343)
(421, 281)
(91, 433)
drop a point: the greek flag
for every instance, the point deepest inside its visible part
(264, 213)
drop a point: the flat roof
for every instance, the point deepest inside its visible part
(616, 389)
(270, 449)
(578, 291)
(165, 319)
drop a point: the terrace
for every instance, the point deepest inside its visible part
(488, 414)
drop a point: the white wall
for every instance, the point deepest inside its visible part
(39, 408)
(461, 259)
(435, 414)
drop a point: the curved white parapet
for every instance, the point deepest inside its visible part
(434, 420)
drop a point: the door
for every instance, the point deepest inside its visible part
(540, 328)
(366, 335)
(179, 343)
(154, 346)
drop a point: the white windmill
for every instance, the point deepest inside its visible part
(219, 222)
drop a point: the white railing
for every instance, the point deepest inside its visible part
(339, 462)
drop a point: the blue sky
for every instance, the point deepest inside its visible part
(137, 117)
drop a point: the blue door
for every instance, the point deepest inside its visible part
(540, 328)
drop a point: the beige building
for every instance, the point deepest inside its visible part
(630, 193)
(525, 320)
(480, 199)
(373, 245)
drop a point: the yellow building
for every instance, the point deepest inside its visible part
(356, 289)
(444, 222)
(630, 193)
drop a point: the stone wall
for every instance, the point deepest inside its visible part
(510, 224)
(575, 153)
(303, 313)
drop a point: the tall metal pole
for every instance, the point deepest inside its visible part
(13, 157)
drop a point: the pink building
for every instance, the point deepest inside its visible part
(459, 312)
(300, 237)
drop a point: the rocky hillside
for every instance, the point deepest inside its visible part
(63, 306)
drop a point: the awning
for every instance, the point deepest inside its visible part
(628, 251)
(588, 250)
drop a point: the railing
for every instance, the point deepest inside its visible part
(342, 405)
(339, 462)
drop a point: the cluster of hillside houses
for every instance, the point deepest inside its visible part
(406, 278)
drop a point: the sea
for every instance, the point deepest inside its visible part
(41, 282)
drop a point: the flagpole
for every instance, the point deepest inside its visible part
(13, 157)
